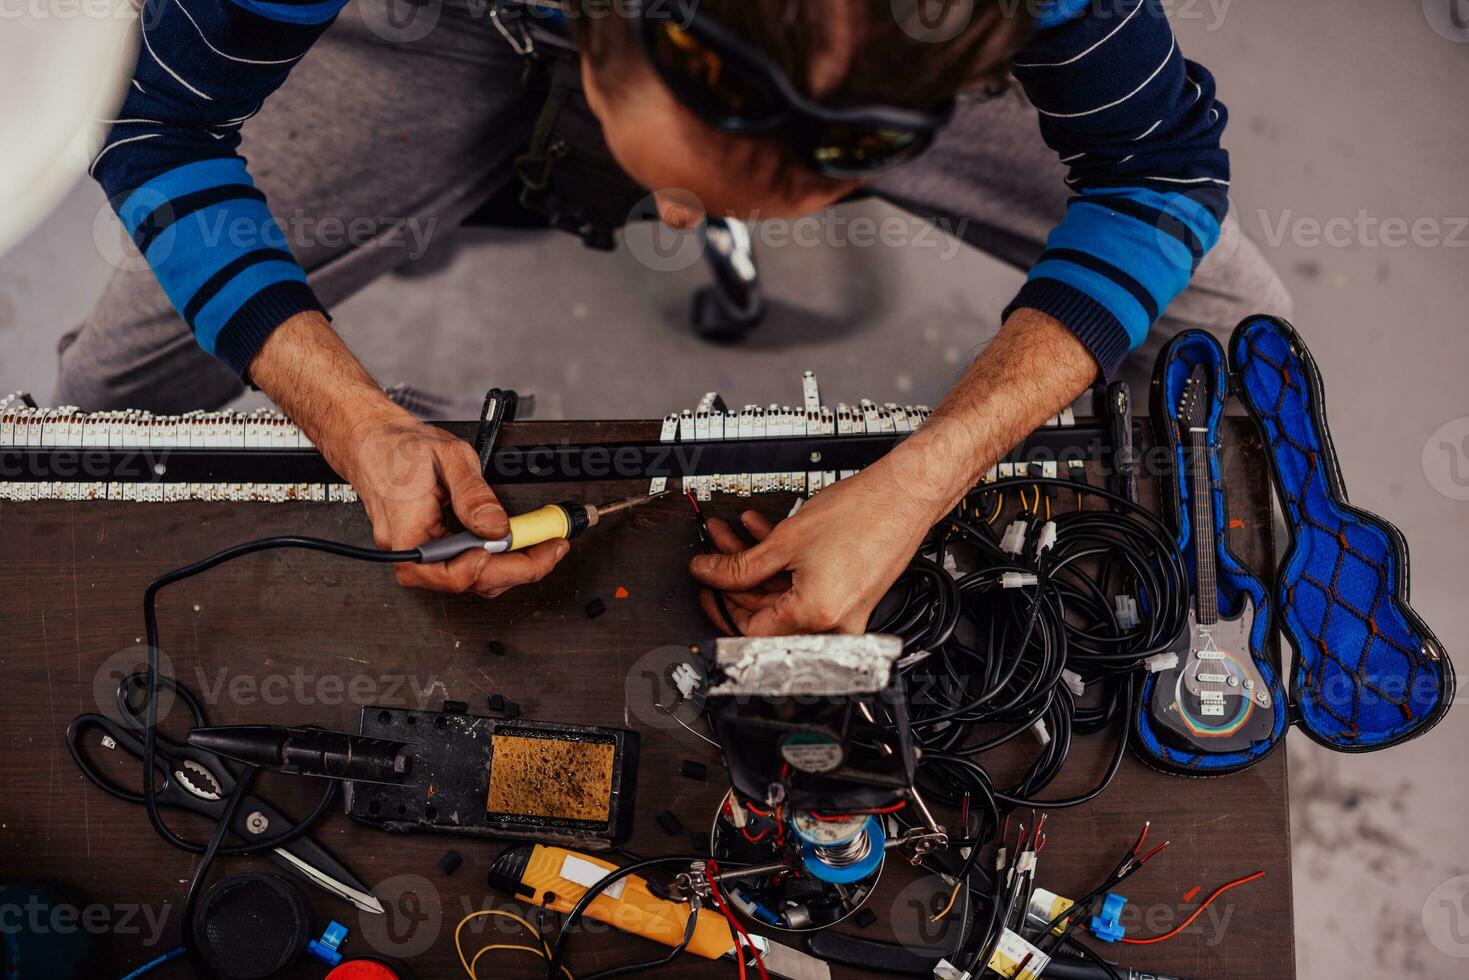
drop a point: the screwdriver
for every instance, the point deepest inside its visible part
(564, 520)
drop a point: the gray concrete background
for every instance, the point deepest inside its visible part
(1347, 111)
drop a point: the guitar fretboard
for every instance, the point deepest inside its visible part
(1203, 496)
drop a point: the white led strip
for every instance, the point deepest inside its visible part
(133, 429)
(23, 425)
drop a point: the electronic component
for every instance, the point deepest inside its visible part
(503, 778)
(308, 751)
(1107, 925)
(251, 925)
(813, 775)
(563, 521)
(133, 455)
(556, 879)
(1016, 958)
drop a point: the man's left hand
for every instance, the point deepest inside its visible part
(821, 570)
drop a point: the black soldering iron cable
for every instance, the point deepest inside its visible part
(150, 723)
(558, 948)
(216, 846)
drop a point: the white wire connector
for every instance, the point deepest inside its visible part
(1041, 732)
(1127, 616)
(1161, 661)
(1017, 580)
(1074, 682)
(944, 970)
(1047, 538)
(1013, 540)
(686, 679)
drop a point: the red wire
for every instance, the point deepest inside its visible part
(1196, 913)
(1145, 857)
(860, 813)
(734, 923)
(758, 837)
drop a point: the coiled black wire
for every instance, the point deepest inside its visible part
(985, 663)
(995, 655)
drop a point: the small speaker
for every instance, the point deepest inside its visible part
(251, 925)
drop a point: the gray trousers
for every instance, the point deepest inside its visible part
(368, 136)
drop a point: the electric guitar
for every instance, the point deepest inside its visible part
(1215, 700)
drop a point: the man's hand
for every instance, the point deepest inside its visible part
(821, 570)
(826, 568)
(405, 472)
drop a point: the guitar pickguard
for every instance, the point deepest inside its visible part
(1216, 699)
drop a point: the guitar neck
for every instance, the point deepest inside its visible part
(1203, 512)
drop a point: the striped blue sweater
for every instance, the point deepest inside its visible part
(1136, 123)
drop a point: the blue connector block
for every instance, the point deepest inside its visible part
(325, 948)
(1108, 926)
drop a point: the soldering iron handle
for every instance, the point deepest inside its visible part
(548, 523)
(455, 545)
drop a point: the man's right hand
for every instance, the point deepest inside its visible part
(405, 472)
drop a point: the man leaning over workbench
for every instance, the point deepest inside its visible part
(431, 125)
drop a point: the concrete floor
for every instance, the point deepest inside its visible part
(1346, 111)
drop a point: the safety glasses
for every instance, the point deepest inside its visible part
(738, 89)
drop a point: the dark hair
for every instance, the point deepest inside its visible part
(914, 53)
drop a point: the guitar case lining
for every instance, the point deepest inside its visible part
(1367, 673)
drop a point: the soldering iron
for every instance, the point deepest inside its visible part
(564, 520)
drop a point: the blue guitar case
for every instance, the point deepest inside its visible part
(1368, 673)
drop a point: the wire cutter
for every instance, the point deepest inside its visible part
(201, 782)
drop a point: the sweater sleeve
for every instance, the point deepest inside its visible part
(172, 170)
(1138, 127)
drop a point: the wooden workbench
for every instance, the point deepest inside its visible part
(290, 637)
